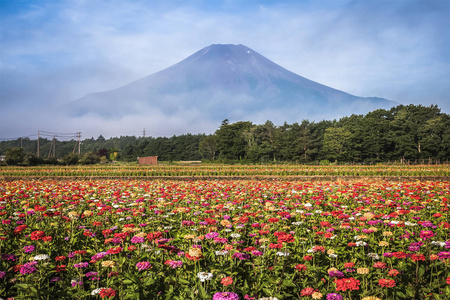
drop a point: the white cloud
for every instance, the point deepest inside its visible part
(59, 51)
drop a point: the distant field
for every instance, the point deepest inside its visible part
(217, 171)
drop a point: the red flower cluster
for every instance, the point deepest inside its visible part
(345, 284)
(109, 292)
(301, 267)
(386, 282)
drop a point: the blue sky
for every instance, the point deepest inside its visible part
(55, 51)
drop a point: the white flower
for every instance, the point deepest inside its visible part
(283, 253)
(96, 291)
(235, 235)
(41, 257)
(332, 255)
(361, 243)
(308, 204)
(203, 276)
(222, 252)
(374, 256)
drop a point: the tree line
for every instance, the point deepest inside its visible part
(413, 133)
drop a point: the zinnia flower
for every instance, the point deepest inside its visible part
(227, 281)
(386, 282)
(225, 296)
(345, 284)
(334, 296)
(143, 265)
(108, 292)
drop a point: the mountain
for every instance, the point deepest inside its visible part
(227, 82)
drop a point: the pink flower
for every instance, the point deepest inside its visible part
(143, 265)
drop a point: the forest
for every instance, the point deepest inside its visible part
(411, 133)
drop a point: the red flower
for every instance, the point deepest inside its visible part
(386, 282)
(61, 268)
(37, 235)
(227, 281)
(275, 246)
(109, 292)
(345, 284)
(154, 235)
(307, 257)
(273, 220)
(47, 238)
(393, 272)
(307, 291)
(301, 267)
(417, 257)
(19, 229)
(448, 280)
(59, 258)
(349, 265)
(399, 254)
(379, 265)
(287, 238)
(115, 250)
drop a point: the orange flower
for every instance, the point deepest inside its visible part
(227, 281)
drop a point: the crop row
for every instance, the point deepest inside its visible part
(222, 170)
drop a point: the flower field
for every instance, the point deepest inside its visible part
(227, 170)
(228, 239)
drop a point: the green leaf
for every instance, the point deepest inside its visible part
(421, 271)
(23, 286)
(202, 292)
(401, 295)
(127, 281)
(183, 281)
(288, 283)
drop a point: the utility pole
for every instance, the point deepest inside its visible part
(38, 145)
(144, 133)
(54, 146)
(21, 143)
(79, 142)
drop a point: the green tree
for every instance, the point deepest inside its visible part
(71, 159)
(90, 158)
(336, 144)
(208, 146)
(15, 156)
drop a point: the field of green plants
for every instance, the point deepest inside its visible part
(227, 170)
(224, 239)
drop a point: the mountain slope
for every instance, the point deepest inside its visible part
(227, 81)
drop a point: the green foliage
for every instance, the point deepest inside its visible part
(411, 133)
(71, 159)
(90, 158)
(14, 156)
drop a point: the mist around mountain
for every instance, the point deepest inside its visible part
(221, 82)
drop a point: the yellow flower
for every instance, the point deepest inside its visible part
(108, 263)
(362, 271)
(383, 244)
(317, 295)
(225, 223)
(189, 236)
(330, 251)
(195, 252)
(370, 298)
(88, 213)
(331, 270)
(387, 233)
